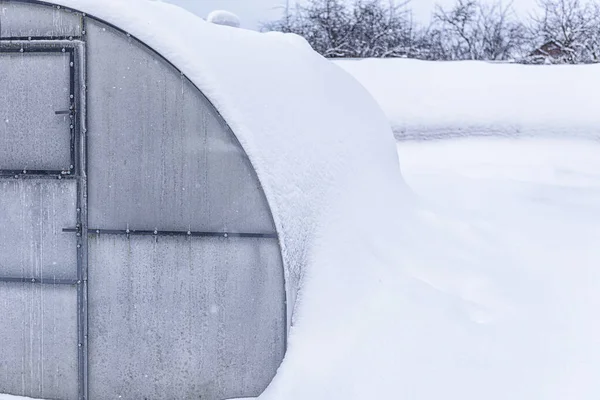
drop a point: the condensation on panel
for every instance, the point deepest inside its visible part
(159, 154)
(38, 337)
(184, 318)
(33, 86)
(33, 214)
(21, 20)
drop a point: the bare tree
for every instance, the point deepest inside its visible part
(381, 30)
(363, 28)
(503, 36)
(470, 30)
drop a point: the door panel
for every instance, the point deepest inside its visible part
(40, 288)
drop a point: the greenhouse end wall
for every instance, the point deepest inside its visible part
(138, 254)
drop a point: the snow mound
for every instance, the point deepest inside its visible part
(222, 17)
(425, 100)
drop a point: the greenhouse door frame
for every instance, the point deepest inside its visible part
(75, 48)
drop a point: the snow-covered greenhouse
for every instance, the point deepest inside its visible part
(165, 184)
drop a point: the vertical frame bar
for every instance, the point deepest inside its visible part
(79, 87)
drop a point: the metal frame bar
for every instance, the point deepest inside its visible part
(80, 161)
(29, 38)
(41, 281)
(134, 232)
(35, 174)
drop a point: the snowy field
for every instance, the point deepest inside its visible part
(526, 215)
(428, 100)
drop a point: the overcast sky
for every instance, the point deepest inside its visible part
(252, 12)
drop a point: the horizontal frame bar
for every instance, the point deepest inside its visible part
(39, 38)
(41, 281)
(33, 174)
(172, 233)
(36, 47)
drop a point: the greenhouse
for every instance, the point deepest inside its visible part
(163, 200)
(130, 215)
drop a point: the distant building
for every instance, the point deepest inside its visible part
(551, 52)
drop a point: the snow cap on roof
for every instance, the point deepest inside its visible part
(222, 17)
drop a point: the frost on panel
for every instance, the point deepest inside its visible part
(21, 20)
(33, 214)
(184, 317)
(38, 337)
(33, 87)
(160, 157)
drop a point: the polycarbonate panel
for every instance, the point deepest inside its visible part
(33, 86)
(38, 340)
(184, 318)
(159, 154)
(33, 214)
(21, 20)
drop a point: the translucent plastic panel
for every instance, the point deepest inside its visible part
(22, 20)
(38, 340)
(183, 318)
(159, 155)
(33, 86)
(33, 214)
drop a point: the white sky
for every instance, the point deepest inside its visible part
(253, 11)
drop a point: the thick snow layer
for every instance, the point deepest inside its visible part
(451, 99)
(326, 157)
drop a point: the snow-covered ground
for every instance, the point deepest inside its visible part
(526, 218)
(425, 100)
(495, 290)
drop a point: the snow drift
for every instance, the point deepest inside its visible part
(425, 100)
